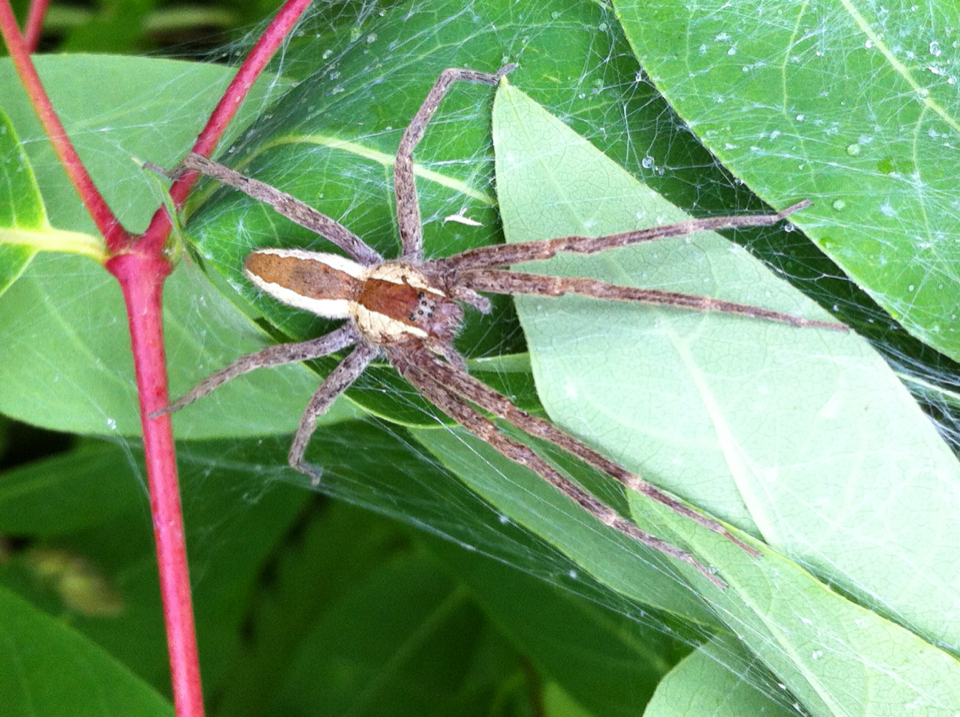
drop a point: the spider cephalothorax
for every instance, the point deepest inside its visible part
(409, 310)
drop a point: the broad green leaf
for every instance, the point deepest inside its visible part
(558, 703)
(336, 549)
(55, 502)
(67, 493)
(718, 679)
(47, 668)
(65, 358)
(800, 436)
(603, 656)
(24, 229)
(850, 104)
(415, 661)
(21, 207)
(837, 658)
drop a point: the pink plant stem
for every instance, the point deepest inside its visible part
(140, 265)
(226, 109)
(38, 10)
(115, 235)
(141, 279)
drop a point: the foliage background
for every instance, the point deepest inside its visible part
(311, 606)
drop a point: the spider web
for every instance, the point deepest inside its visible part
(330, 141)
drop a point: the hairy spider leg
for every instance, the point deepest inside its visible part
(466, 386)
(286, 205)
(277, 355)
(500, 255)
(404, 182)
(338, 381)
(494, 281)
(486, 430)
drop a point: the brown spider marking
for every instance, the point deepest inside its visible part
(389, 302)
(409, 310)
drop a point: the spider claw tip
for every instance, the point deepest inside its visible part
(792, 209)
(157, 169)
(709, 575)
(505, 70)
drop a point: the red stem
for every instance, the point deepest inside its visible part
(212, 133)
(141, 279)
(115, 235)
(38, 10)
(140, 265)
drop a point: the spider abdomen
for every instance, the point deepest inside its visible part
(323, 284)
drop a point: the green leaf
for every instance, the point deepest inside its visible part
(56, 502)
(24, 229)
(336, 549)
(848, 104)
(65, 359)
(415, 662)
(68, 493)
(836, 657)
(46, 668)
(603, 657)
(714, 680)
(800, 436)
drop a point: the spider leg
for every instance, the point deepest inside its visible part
(429, 368)
(336, 383)
(271, 356)
(487, 431)
(507, 254)
(405, 187)
(495, 281)
(285, 204)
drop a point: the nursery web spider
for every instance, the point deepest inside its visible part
(409, 310)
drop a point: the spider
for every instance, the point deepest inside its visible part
(410, 309)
